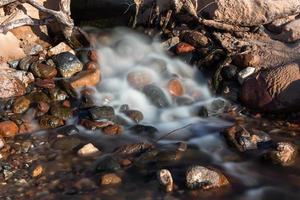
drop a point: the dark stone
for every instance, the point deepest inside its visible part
(107, 164)
(69, 130)
(229, 72)
(67, 64)
(148, 131)
(156, 96)
(103, 112)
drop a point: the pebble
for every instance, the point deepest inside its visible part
(93, 55)
(132, 149)
(143, 130)
(43, 107)
(57, 94)
(107, 164)
(8, 129)
(199, 177)
(60, 48)
(156, 96)
(175, 87)
(49, 122)
(245, 73)
(139, 78)
(88, 150)
(25, 62)
(61, 112)
(69, 130)
(20, 105)
(45, 83)
(135, 115)
(285, 154)
(183, 48)
(37, 171)
(67, 64)
(67, 143)
(110, 179)
(165, 179)
(43, 71)
(93, 125)
(195, 38)
(86, 78)
(113, 130)
(102, 112)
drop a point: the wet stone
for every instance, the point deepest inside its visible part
(285, 154)
(183, 48)
(156, 96)
(229, 72)
(25, 63)
(37, 171)
(87, 78)
(93, 55)
(66, 143)
(103, 112)
(175, 87)
(43, 107)
(143, 130)
(56, 94)
(184, 100)
(113, 130)
(198, 177)
(43, 71)
(107, 164)
(8, 129)
(93, 125)
(49, 121)
(110, 179)
(88, 150)
(36, 97)
(133, 149)
(61, 112)
(20, 105)
(195, 38)
(202, 112)
(69, 130)
(45, 83)
(67, 64)
(139, 78)
(165, 179)
(135, 115)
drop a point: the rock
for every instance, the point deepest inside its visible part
(8, 129)
(58, 94)
(110, 179)
(67, 143)
(49, 122)
(2, 142)
(43, 71)
(25, 62)
(61, 112)
(20, 105)
(229, 72)
(156, 96)
(143, 130)
(11, 44)
(103, 112)
(69, 130)
(135, 115)
(43, 107)
(139, 78)
(198, 177)
(113, 130)
(88, 150)
(285, 154)
(107, 164)
(290, 31)
(245, 140)
(124, 162)
(36, 97)
(165, 179)
(67, 64)
(245, 73)
(86, 79)
(132, 149)
(184, 100)
(273, 89)
(13, 82)
(195, 38)
(27, 127)
(93, 55)
(45, 83)
(60, 48)
(93, 125)
(37, 171)
(13, 64)
(92, 66)
(183, 48)
(175, 87)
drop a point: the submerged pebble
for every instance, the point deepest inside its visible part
(165, 179)
(67, 64)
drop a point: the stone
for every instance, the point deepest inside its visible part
(143, 130)
(37, 171)
(165, 179)
(156, 96)
(69, 130)
(110, 179)
(45, 83)
(93, 55)
(26, 62)
(175, 87)
(183, 48)
(199, 177)
(113, 130)
(67, 143)
(43, 71)
(245, 73)
(88, 150)
(67, 64)
(8, 129)
(60, 48)
(43, 107)
(102, 112)
(49, 122)
(61, 112)
(229, 72)
(107, 164)
(20, 105)
(14, 82)
(2, 142)
(132, 149)
(93, 125)
(135, 115)
(285, 154)
(58, 94)
(195, 38)
(139, 78)
(87, 78)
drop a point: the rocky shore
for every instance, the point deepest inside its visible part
(90, 122)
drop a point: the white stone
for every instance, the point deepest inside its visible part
(245, 73)
(88, 150)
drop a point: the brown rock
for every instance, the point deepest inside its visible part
(93, 55)
(43, 71)
(45, 83)
(13, 82)
(27, 127)
(86, 78)
(61, 47)
(125, 162)
(43, 106)
(195, 38)
(285, 154)
(113, 130)
(21, 104)
(8, 129)
(92, 65)
(182, 48)
(37, 171)
(139, 78)
(93, 125)
(175, 87)
(273, 90)
(110, 179)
